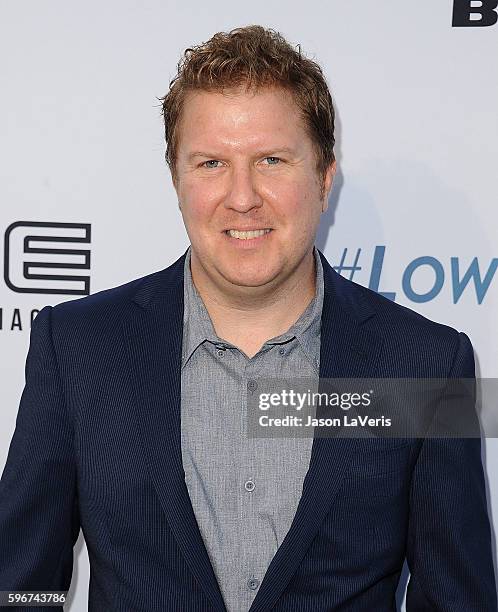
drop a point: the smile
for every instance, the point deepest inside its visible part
(247, 235)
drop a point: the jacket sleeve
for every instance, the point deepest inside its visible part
(449, 550)
(39, 520)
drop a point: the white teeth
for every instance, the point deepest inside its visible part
(247, 235)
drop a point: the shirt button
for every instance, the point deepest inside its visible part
(252, 385)
(249, 485)
(281, 351)
(220, 353)
(253, 584)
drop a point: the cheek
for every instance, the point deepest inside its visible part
(298, 205)
(198, 204)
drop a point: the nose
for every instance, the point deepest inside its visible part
(243, 194)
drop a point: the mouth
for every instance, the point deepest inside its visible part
(247, 234)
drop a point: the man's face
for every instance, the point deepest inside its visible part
(246, 164)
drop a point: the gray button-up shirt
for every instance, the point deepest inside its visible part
(244, 491)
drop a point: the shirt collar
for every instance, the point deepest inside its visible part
(198, 327)
(307, 328)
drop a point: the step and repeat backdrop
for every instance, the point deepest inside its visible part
(87, 201)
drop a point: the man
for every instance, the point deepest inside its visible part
(131, 424)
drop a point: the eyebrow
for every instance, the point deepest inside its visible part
(271, 151)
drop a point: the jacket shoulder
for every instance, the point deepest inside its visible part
(113, 300)
(409, 337)
(110, 298)
(390, 313)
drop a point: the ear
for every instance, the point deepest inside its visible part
(327, 184)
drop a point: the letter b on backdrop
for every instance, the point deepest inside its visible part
(471, 13)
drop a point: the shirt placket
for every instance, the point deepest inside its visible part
(256, 550)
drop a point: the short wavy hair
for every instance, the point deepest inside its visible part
(254, 57)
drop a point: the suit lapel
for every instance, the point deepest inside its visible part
(348, 350)
(153, 334)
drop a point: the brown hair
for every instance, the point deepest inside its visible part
(255, 57)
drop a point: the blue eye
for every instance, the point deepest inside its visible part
(210, 161)
(274, 158)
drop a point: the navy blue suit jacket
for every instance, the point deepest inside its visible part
(97, 446)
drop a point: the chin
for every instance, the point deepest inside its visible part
(250, 277)
(250, 282)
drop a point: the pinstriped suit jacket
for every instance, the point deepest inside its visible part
(97, 447)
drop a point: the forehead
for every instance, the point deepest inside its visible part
(240, 119)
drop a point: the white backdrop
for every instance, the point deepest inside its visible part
(417, 146)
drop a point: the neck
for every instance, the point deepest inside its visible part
(249, 316)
